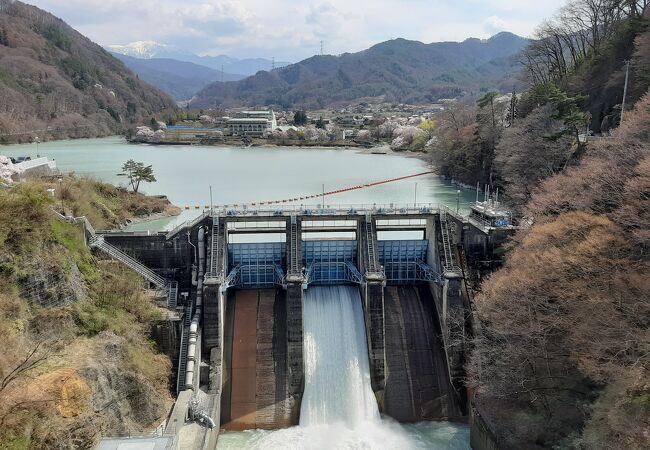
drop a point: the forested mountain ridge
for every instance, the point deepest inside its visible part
(180, 79)
(514, 143)
(399, 70)
(52, 77)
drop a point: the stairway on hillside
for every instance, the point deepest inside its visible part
(182, 356)
(449, 263)
(98, 242)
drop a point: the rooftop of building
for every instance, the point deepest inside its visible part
(248, 120)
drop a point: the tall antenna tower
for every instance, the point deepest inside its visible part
(321, 48)
(273, 63)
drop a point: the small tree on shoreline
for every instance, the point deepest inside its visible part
(137, 172)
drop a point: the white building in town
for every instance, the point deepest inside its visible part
(252, 123)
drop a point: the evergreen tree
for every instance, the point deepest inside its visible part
(300, 118)
(512, 109)
(3, 37)
(137, 172)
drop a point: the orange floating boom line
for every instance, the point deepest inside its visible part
(338, 191)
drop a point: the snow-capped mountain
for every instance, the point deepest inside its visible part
(140, 49)
(153, 49)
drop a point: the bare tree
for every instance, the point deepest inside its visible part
(38, 355)
(578, 30)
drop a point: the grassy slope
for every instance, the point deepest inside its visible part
(95, 371)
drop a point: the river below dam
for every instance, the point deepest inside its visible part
(185, 173)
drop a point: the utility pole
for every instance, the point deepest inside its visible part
(415, 196)
(211, 200)
(323, 196)
(60, 179)
(627, 74)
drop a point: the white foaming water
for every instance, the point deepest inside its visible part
(339, 410)
(337, 376)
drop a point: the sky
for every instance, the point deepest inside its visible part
(291, 30)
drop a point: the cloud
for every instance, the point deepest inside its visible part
(494, 24)
(291, 30)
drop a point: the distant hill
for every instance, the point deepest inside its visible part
(152, 49)
(399, 70)
(180, 79)
(53, 78)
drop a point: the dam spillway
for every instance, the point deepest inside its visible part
(337, 375)
(418, 385)
(254, 394)
(339, 409)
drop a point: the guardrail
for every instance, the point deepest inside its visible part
(332, 272)
(255, 275)
(188, 224)
(332, 209)
(286, 211)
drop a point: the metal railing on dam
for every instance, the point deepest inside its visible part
(305, 212)
(338, 210)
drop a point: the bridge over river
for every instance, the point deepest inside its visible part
(237, 280)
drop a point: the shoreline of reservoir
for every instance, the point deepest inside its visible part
(252, 174)
(374, 148)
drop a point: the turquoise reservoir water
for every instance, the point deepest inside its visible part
(243, 175)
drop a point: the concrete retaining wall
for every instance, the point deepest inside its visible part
(170, 258)
(481, 436)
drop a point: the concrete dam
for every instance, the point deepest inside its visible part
(295, 316)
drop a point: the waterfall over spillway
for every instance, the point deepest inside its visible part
(337, 376)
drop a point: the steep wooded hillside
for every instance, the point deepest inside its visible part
(52, 77)
(398, 71)
(562, 360)
(561, 348)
